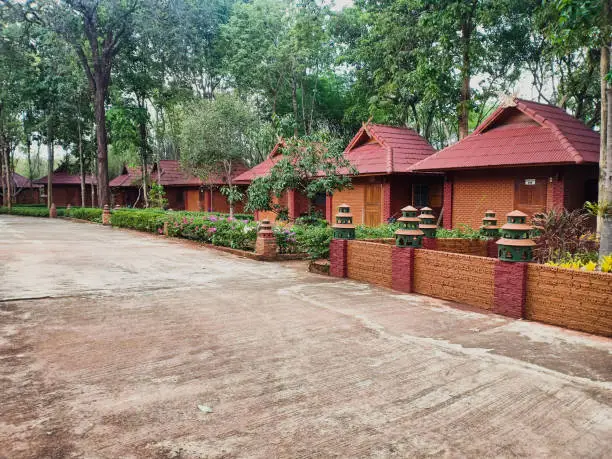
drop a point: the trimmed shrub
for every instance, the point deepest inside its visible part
(92, 214)
(31, 211)
(150, 220)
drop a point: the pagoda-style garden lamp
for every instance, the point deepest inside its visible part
(515, 244)
(409, 234)
(489, 224)
(344, 228)
(428, 225)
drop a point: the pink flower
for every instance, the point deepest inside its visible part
(212, 230)
(160, 231)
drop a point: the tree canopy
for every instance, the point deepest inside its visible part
(116, 81)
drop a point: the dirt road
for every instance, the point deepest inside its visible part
(114, 344)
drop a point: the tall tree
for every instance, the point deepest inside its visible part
(215, 139)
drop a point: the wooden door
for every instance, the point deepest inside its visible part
(193, 200)
(530, 195)
(372, 205)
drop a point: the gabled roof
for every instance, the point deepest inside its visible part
(19, 181)
(263, 167)
(520, 133)
(375, 149)
(381, 149)
(129, 177)
(64, 178)
(169, 173)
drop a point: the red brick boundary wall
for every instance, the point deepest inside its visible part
(578, 300)
(402, 269)
(462, 278)
(476, 247)
(338, 257)
(574, 299)
(370, 262)
(510, 286)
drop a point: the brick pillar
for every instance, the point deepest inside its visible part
(386, 201)
(207, 201)
(53, 211)
(338, 250)
(447, 218)
(256, 215)
(265, 246)
(402, 269)
(556, 197)
(292, 205)
(492, 248)
(329, 209)
(106, 215)
(510, 289)
(430, 243)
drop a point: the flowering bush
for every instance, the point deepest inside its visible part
(221, 231)
(285, 239)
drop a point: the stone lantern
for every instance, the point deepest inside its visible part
(515, 244)
(489, 224)
(409, 234)
(344, 228)
(428, 222)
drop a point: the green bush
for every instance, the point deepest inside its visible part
(463, 232)
(31, 211)
(313, 240)
(149, 220)
(386, 230)
(92, 214)
(220, 231)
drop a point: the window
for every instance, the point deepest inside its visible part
(420, 195)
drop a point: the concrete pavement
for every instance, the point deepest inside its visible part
(110, 340)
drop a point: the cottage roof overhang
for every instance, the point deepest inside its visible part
(520, 133)
(376, 149)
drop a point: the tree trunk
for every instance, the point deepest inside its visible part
(102, 138)
(50, 161)
(605, 241)
(82, 167)
(295, 105)
(143, 163)
(7, 175)
(604, 66)
(29, 153)
(464, 113)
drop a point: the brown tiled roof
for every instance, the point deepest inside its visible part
(546, 135)
(169, 174)
(375, 149)
(64, 178)
(20, 181)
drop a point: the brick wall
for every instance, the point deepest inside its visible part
(461, 278)
(370, 262)
(473, 194)
(573, 299)
(447, 218)
(477, 247)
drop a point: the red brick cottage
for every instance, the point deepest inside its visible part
(526, 156)
(67, 188)
(24, 191)
(183, 191)
(382, 156)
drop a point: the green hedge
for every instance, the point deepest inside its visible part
(92, 214)
(31, 211)
(221, 231)
(150, 220)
